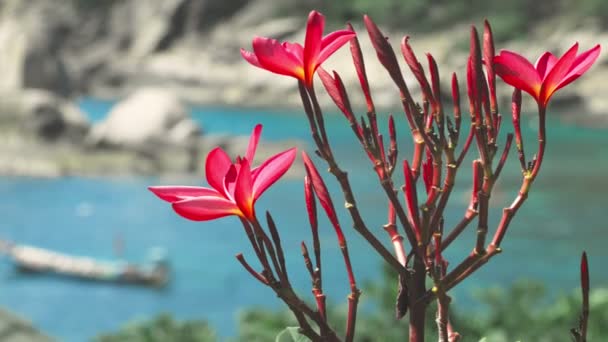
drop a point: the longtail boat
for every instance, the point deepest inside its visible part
(29, 259)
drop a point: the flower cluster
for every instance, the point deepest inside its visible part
(235, 185)
(548, 74)
(293, 59)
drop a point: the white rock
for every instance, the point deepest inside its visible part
(149, 116)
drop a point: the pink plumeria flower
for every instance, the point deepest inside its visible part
(235, 186)
(293, 59)
(548, 74)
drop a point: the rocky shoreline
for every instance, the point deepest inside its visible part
(148, 133)
(16, 329)
(158, 55)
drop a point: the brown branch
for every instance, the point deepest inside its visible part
(261, 234)
(465, 148)
(258, 249)
(353, 297)
(482, 222)
(274, 233)
(585, 296)
(443, 303)
(250, 269)
(416, 291)
(459, 228)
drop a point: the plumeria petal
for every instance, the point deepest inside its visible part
(296, 50)
(273, 57)
(271, 170)
(233, 184)
(206, 208)
(251, 58)
(516, 71)
(243, 192)
(230, 180)
(332, 42)
(312, 43)
(553, 73)
(216, 167)
(293, 59)
(544, 64)
(177, 193)
(557, 74)
(253, 143)
(581, 64)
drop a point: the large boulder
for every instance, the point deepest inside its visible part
(148, 119)
(153, 125)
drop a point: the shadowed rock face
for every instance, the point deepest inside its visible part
(42, 115)
(51, 51)
(60, 46)
(32, 37)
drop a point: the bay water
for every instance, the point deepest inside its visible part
(565, 214)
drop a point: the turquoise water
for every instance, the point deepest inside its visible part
(564, 214)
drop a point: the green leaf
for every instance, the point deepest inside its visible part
(483, 340)
(291, 334)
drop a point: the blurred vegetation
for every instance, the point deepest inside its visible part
(512, 17)
(94, 4)
(522, 312)
(162, 328)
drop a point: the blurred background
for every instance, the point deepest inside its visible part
(101, 98)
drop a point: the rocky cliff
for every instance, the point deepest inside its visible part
(53, 51)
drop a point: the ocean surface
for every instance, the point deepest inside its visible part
(565, 213)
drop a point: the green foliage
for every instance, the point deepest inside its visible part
(389, 12)
(520, 313)
(163, 328)
(263, 325)
(94, 4)
(511, 19)
(291, 334)
(590, 8)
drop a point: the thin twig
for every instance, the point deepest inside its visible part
(251, 271)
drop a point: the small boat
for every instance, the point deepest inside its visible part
(29, 259)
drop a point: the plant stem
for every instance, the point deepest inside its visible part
(417, 307)
(442, 317)
(261, 234)
(474, 262)
(342, 177)
(460, 227)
